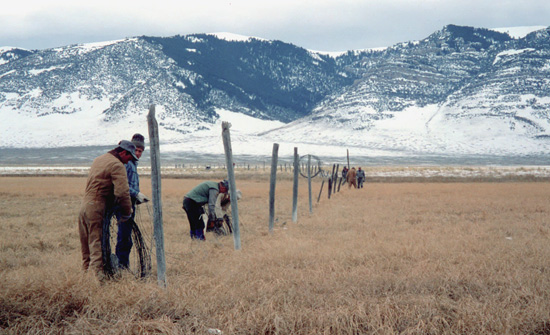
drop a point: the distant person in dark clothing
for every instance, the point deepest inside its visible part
(205, 193)
(360, 177)
(344, 174)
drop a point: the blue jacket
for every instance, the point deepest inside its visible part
(133, 179)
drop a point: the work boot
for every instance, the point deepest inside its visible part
(197, 235)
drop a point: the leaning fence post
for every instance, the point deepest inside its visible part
(330, 180)
(321, 190)
(335, 178)
(156, 195)
(309, 182)
(295, 186)
(272, 183)
(329, 186)
(232, 186)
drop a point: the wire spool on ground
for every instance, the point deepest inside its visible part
(140, 255)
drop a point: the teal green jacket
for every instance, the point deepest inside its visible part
(205, 192)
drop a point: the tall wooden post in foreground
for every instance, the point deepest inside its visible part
(272, 183)
(156, 190)
(226, 136)
(295, 186)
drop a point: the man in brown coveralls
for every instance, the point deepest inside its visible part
(352, 180)
(107, 184)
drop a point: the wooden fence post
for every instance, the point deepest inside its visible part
(309, 182)
(330, 180)
(321, 190)
(232, 186)
(295, 186)
(335, 178)
(272, 184)
(157, 199)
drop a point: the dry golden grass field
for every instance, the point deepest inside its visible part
(392, 258)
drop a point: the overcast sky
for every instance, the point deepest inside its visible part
(323, 25)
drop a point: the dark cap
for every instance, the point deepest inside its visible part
(130, 147)
(139, 141)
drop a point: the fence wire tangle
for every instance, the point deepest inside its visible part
(316, 165)
(140, 255)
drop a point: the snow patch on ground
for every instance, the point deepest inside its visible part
(415, 131)
(519, 32)
(88, 47)
(39, 71)
(231, 37)
(510, 53)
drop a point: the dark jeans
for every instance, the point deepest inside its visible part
(194, 212)
(360, 182)
(124, 242)
(124, 237)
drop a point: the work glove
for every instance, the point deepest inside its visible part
(141, 198)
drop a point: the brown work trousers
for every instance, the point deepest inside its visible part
(90, 229)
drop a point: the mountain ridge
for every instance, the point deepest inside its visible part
(449, 82)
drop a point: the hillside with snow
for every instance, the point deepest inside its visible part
(459, 91)
(519, 32)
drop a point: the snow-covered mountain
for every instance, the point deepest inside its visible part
(461, 90)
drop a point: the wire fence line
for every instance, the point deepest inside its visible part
(144, 217)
